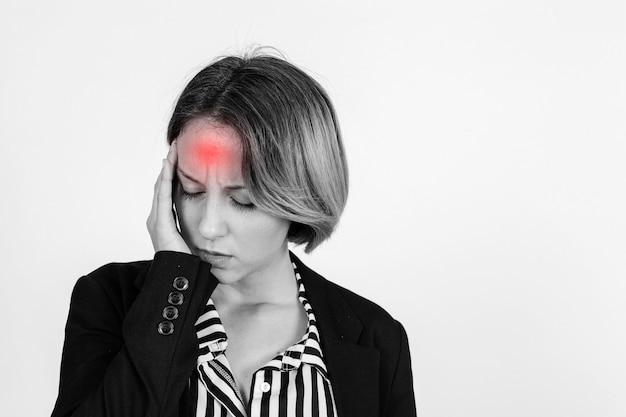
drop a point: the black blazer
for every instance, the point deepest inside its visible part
(116, 363)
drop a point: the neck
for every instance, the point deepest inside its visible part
(276, 284)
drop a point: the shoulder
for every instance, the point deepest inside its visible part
(352, 310)
(364, 322)
(369, 312)
(324, 287)
(347, 305)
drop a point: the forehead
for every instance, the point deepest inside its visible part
(204, 143)
(208, 131)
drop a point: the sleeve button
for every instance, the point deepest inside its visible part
(166, 328)
(181, 283)
(175, 298)
(170, 313)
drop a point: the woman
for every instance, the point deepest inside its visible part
(226, 320)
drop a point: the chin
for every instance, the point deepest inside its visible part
(223, 276)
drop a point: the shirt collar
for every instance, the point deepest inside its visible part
(213, 340)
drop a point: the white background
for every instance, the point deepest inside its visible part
(487, 156)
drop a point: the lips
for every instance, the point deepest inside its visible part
(215, 253)
(218, 261)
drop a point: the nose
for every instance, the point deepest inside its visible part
(213, 224)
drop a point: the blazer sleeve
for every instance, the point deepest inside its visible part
(402, 397)
(120, 365)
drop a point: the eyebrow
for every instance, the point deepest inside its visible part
(230, 187)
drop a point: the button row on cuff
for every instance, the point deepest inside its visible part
(170, 312)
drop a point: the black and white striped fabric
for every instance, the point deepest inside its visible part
(294, 383)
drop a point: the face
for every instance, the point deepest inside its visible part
(217, 216)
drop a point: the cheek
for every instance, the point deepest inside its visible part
(267, 229)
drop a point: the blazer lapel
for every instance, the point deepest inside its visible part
(352, 369)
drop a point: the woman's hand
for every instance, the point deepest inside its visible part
(161, 222)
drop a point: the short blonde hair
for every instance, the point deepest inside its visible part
(294, 164)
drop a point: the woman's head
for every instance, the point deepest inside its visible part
(260, 122)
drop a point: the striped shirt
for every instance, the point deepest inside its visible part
(294, 383)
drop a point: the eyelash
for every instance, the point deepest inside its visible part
(243, 207)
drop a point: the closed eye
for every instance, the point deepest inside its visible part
(243, 207)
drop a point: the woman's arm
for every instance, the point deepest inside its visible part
(401, 401)
(122, 366)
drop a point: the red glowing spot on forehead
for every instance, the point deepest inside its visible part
(211, 153)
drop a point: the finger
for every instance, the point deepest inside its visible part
(158, 180)
(164, 202)
(172, 154)
(162, 198)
